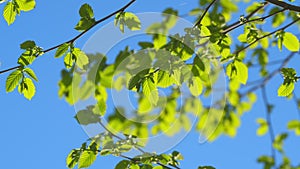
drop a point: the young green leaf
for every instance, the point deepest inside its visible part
(128, 19)
(263, 127)
(237, 70)
(10, 12)
(81, 58)
(195, 86)
(31, 73)
(68, 61)
(27, 45)
(86, 11)
(150, 91)
(294, 125)
(291, 42)
(86, 159)
(73, 158)
(122, 164)
(13, 80)
(242, 72)
(84, 24)
(286, 89)
(26, 5)
(27, 88)
(62, 50)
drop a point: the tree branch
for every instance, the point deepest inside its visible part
(252, 20)
(204, 13)
(269, 121)
(270, 76)
(79, 35)
(285, 5)
(226, 28)
(267, 35)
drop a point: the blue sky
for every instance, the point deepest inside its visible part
(40, 133)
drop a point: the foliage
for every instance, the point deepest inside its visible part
(171, 63)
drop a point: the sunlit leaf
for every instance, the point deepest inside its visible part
(10, 12)
(31, 73)
(291, 42)
(13, 80)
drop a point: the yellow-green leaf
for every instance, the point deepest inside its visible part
(263, 127)
(86, 159)
(31, 73)
(291, 42)
(286, 89)
(81, 58)
(196, 86)
(150, 91)
(10, 12)
(26, 5)
(13, 80)
(27, 88)
(62, 50)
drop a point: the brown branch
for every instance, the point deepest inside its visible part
(285, 5)
(204, 13)
(79, 35)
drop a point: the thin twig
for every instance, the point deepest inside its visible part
(269, 77)
(296, 102)
(139, 149)
(267, 35)
(246, 17)
(269, 121)
(79, 35)
(252, 20)
(204, 13)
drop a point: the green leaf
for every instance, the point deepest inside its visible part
(134, 166)
(294, 125)
(27, 58)
(128, 19)
(263, 127)
(198, 62)
(86, 11)
(237, 70)
(27, 88)
(164, 79)
(31, 73)
(286, 89)
(81, 58)
(86, 117)
(150, 91)
(68, 60)
(73, 158)
(278, 142)
(62, 50)
(100, 108)
(84, 24)
(122, 164)
(10, 12)
(13, 80)
(195, 86)
(291, 42)
(26, 5)
(28, 45)
(206, 167)
(87, 158)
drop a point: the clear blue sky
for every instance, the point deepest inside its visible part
(40, 133)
